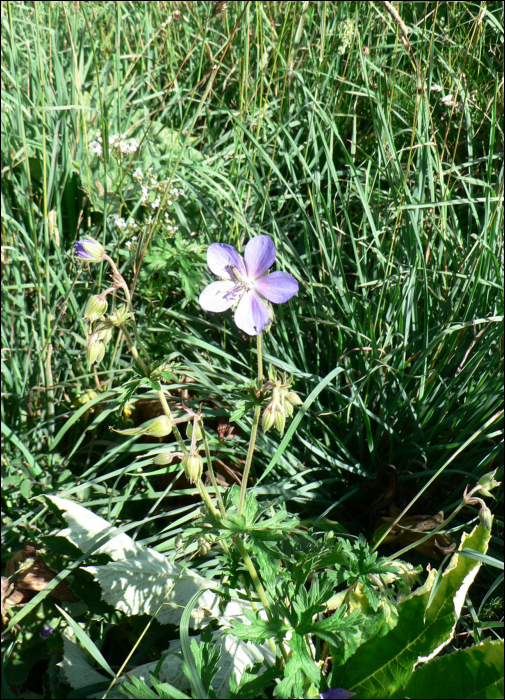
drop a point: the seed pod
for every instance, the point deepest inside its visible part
(193, 467)
(487, 483)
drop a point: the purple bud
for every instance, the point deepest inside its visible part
(90, 250)
(336, 694)
(46, 631)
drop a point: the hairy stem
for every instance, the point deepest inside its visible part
(254, 432)
(211, 472)
(175, 429)
(133, 350)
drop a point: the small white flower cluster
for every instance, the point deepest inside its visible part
(129, 243)
(449, 102)
(118, 146)
(122, 224)
(121, 147)
(156, 194)
(96, 148)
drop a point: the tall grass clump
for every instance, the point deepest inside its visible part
(365, 142)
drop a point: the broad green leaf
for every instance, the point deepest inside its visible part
(471, 673)
(76, 665)
(86, 642)
(381, 666)
(139, 580)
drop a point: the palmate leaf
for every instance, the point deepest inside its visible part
(260, 629)
(382, 666)
(474, 673)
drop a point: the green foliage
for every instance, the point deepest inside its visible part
(378, 171)
(380, 667)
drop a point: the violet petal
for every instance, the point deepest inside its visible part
(219, 296)
(79, 249)
(221, 256)
(259, 256)
(278, 287)
(336, 694)
(252, 314)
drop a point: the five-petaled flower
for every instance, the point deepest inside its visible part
(246, 283)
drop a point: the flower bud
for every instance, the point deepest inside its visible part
(189, 431)
(288, 408)
(486, 517)
(268, 418)
(193, 467)
(95, 351)
(89, 250)
(95, 308)
(280, 420)
(293, 398)
(158, 427)
(104, 332)
(164, 458)
(203, 547)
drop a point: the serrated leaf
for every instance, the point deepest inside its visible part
(380, 666)
(138, 579)
(86, 642)
(474, 673)
(77, 668)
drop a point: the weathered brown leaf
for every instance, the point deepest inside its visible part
(30, 574)
(413, 528)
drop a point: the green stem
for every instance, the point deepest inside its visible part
(254, 432)
(254, 575)
(206, 498)
(134, 351)
(211, 472)
(260, 361)
(175, 429)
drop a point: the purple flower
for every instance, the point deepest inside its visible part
(246, 283)
(336, 694)
(90, 250)
(46, 631)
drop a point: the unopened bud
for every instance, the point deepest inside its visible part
(164, 458)
(95, 308)
(89, 250)
(268, 418)
(280, 420)
(203, 547)
(486, 517)
(95, 351)
(104, 332)
(189, 431)
(158, 427)
(293, 398)
(193, 467)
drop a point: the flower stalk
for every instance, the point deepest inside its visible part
(254, 431)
